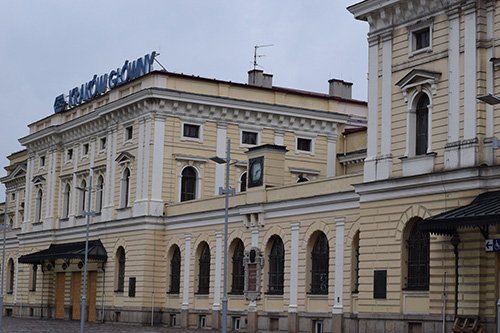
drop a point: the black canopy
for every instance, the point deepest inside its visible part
(483, 211)
(76, 250)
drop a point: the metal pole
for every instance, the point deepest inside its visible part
(3, 259)
(224, 296)
(84, 296)
(152, 308)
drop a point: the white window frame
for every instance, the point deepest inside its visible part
(412, 41)
(69, 159)
(306, 137)
(411, 123)
(126, 128)
(251, 130)
(66, 201)
(41, 162)
(85, 154)
(188, 138)
(103, 143)
(81, 198)
(198, 182)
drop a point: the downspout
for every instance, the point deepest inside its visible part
(455, 240)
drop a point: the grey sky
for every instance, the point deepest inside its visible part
(48, 47)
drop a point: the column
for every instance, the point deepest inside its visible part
(221, 152)
(156, 203)
(452, 148)
(469, 148)
(218, 269)
(370, 171)
(384, 163)
(216, 307)
(489, 153)
(139, 204)
(185, 284)
(294, 273)
(331, 155)
(74, 191)
(109, 192)
(26, 224)
(145, 168)
(339, 274)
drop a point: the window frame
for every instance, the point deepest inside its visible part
(120, 270)
(66, 201)
(413, 34)
(276, 272)
(69, 155)
(199, 138)
(417, 245)
(320, 262)
(183, 183)
(99, 196)
(253, 131)
(175, 271)
(312, 141)
(38, 206)
(238, 269)
(204, 270)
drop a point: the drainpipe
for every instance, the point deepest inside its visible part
(455, 240)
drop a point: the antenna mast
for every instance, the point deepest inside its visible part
(255, 55)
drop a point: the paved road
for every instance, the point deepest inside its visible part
(32, 325)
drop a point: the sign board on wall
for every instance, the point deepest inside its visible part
(102, 84)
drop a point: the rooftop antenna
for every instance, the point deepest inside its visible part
(255, 55)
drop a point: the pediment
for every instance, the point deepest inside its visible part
(125, 157)
(418, 78)
(38, 180)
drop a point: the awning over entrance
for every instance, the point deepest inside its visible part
(68, 251)
(483, 211)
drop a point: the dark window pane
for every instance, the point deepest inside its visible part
(320, 260)
(188, 185)
(304, 144)
(204, 271)
(175, 272)
(276, 267)
(422, 125)
(249, 138)
(422, 38)
(418, 259)
(238, 269)
(191, 131)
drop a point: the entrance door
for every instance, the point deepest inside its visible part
(91, 295)
(60, 295)
(76, 296)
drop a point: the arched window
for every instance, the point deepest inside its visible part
(81, 197)
(188, 184)
(276, 266)
(302, 179)
(175, 271)
(238, 273)
(125, 188)
(320, 262)
(99, 194)
(422, 114)
(10, 278)
(243, 182)
(418, 249)
(66, 197)
(204, 270)
(120, 269)
(38, 205)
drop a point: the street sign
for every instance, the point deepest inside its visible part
(492, 245)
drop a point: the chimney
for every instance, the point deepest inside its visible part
(340, 88)
(258, 78)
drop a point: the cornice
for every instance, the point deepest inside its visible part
(384, 14)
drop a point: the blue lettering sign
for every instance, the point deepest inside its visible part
(100, 85)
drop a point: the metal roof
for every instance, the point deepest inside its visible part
(76, 250)
(483, 211)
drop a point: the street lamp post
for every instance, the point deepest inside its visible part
(225, 191)
(88, 213)
(4, 227)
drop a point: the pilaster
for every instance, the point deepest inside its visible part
(156, 202)
(218, 270)
(331, 156)
(221, 152)
(370, 166)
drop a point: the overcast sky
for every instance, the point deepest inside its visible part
(48, 47)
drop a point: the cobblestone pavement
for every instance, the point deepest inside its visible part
(32, 325)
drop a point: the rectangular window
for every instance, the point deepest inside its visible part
(129, 131)
(102, 143)
(191, 131)
(380, 284)
(42, 161)
(422, 38)
(85, 149)
(131, 287)
(69, 154)
(304, 144)
(249, 138)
